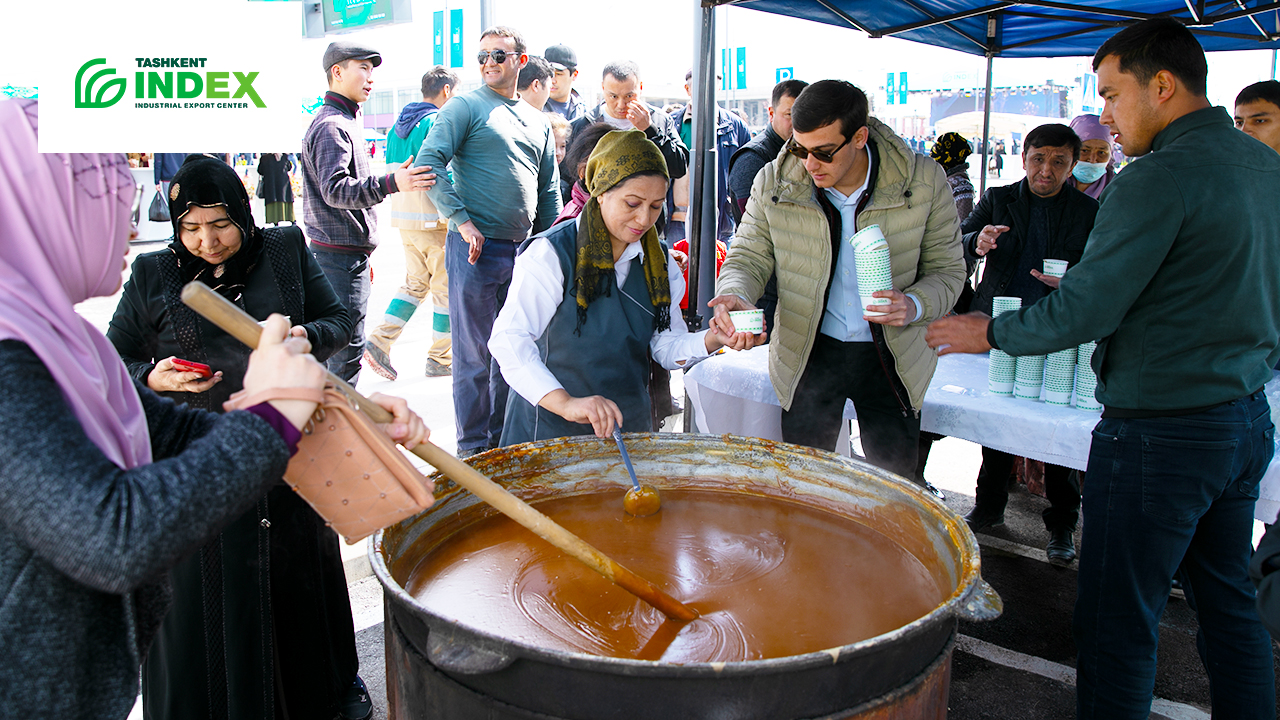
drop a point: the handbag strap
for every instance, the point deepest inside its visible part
(240, 400)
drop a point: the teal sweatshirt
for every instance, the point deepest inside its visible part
(1180, 278)
(502, 159)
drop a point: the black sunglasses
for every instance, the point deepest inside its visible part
(499, 56)
(803, 152)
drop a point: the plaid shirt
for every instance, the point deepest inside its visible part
(338, 191)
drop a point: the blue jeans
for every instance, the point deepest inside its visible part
(1162, 493)
(476, 293)
(348, 273)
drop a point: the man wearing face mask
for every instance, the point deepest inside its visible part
(1014, 229)
(1097, 166)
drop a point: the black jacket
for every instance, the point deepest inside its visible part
(746, 163)
(662, 131)
(1070, 220)
(145, 327)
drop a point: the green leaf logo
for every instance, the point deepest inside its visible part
(85, 97)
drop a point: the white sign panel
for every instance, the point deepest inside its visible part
(177, 76)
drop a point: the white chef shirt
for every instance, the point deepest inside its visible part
(537, 289)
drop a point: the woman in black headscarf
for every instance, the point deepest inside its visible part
(261, 623)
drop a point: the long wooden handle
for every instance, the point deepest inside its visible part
(239, 325)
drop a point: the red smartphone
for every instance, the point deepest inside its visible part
(195, 367)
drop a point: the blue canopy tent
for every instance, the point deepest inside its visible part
(1031, 28)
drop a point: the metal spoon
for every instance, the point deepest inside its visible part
(639, 501)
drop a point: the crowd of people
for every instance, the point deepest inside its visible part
(146, 531)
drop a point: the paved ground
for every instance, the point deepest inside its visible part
(1018, 667)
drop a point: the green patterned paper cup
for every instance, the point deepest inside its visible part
(1055, 268)
(1029, 377)
(1086, 386)
(1000, 373)
(1004, 303)
(751, 321)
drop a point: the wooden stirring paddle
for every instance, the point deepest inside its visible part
(233, 321)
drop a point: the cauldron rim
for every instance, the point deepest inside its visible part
(969, 581)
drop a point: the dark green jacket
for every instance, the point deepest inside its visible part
(1180, 279)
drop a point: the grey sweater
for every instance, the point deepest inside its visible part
(502, 156)
(84, 545)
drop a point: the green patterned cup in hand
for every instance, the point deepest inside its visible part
(871, 258)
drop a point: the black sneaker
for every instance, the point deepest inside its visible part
(356, 705)
(435, 368)
(379, 361)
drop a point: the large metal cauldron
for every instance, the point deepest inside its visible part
(438, 668)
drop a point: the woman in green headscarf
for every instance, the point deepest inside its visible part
(588, 299)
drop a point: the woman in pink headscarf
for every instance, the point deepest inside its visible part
(1096, 166)
(103, 484)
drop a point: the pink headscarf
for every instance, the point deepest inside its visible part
(64, 233)
(1090, 127)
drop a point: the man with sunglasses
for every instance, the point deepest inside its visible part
(504, 184)
(841, 173)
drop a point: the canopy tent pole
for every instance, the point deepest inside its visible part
(700, 221)
(986, 103)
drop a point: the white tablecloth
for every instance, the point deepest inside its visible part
(731, 393)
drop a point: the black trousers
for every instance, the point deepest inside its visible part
(1061, 486)
(839, 370)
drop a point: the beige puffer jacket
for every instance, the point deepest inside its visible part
(912, 204)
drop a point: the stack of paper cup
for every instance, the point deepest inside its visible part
(1086, 380)
(1029, 377)
(1055, 268)
(1059, 376)
(871, 256)
(1001, 367)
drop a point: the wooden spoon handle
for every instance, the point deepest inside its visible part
(233, 321)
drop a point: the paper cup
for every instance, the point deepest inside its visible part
(868, 238)
(1000, 373)
(1057, 397)
(751, 321)
(1086, 385)
(1004, 303)
(874, 270)
(1059, 376)
(1029, 377)
(1055, 268)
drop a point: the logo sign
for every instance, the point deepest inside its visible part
(889, 88)
(902, 88)
(742, 68)
(85, 96)
(93, 90)
(142, 81)
(783, 74)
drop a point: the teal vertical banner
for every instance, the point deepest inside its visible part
(888, 88)
(455, 38)
(724, 68)
(437, 37)
(742, 68)
(902, 88)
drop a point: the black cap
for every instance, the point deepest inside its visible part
(561, 57)
(340, 50)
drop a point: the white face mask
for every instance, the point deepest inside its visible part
(1087, 172)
